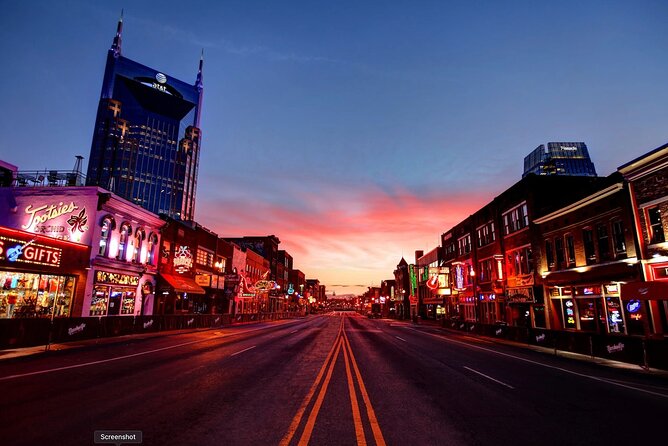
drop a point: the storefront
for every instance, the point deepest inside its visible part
(40, 276)
(524, 307)
(488, 303)
(645, 307)
(594, 308)
(434, 307)
(178, 294)
(114, 294)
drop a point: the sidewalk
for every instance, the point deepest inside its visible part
(110, 340)
(550, 351)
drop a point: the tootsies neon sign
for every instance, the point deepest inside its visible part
(51, 219)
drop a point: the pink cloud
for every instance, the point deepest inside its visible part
(345, 237)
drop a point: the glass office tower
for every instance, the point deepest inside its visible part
(147, 138)
(560, 158)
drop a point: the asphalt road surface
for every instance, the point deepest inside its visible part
(336, 379)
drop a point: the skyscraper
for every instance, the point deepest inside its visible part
(146, 141)
(560, 158)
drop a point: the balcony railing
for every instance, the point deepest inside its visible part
(41, 178)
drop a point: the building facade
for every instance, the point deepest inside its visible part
(647, 176)
(147, 138)
(588, 251)
(560, 158)
(122, 238)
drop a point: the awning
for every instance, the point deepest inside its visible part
(652, 290)
(182, 284)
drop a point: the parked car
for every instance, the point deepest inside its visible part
(375, 311)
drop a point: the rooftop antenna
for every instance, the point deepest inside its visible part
(73, 178)
(77, 164)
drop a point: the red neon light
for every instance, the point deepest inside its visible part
(432, 283)
(40, 238)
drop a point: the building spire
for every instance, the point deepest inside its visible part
(116, 45)
(198, 82)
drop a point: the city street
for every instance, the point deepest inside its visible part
(332, 379)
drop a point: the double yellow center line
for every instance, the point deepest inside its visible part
(326, 371)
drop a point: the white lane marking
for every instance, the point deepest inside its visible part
(244, 350)
(489, 377)
(401, 339)
(102, 361)
(595, 378)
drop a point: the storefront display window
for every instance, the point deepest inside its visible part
(35, 295)
(98, 305)
(587, 311)
(565, 310)
(128, 303)
(635, 312)
(614, 312)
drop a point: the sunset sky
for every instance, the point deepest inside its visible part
(355, 131)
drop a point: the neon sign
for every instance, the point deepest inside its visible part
(432, 283)
(633, 306)
(183, 260)
(38, 216)
(265, 285)
(459, 277)
(29, 252)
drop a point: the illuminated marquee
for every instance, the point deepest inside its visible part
(116, 279)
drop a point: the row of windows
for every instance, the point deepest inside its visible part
(464, 244)
(515, 219)
(486, 234)
(129, 245)
(602, 243)
(520, 262)
(204, 257)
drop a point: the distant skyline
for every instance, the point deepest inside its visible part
(356, 132)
